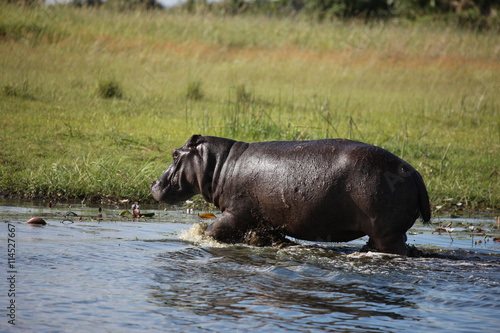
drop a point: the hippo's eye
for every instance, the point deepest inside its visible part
(175, 155)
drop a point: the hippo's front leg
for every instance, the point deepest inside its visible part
(228, 228)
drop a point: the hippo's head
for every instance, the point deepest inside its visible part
(192, 169)
(177, 182)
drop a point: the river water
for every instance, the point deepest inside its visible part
(159, 274)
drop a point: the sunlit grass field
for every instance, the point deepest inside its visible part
(93, 101)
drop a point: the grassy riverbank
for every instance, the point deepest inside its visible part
(93, 101)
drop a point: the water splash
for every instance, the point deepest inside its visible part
(196, 235)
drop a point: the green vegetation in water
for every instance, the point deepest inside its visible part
(424, 91)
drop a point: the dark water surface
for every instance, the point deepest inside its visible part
(160, 274)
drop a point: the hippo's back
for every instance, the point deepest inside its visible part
(321, 158)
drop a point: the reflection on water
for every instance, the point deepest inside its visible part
(117, 274)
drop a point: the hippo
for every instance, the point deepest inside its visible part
(331, 190)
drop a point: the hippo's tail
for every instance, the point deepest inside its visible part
(423, 197)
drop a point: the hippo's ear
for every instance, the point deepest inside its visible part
(194, 141)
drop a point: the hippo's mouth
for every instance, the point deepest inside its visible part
(167, 193)
(158, 190)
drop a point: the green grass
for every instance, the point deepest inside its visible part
(426, 92)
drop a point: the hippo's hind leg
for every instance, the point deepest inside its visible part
(389, 230)
(393, 243)
(228, 228)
